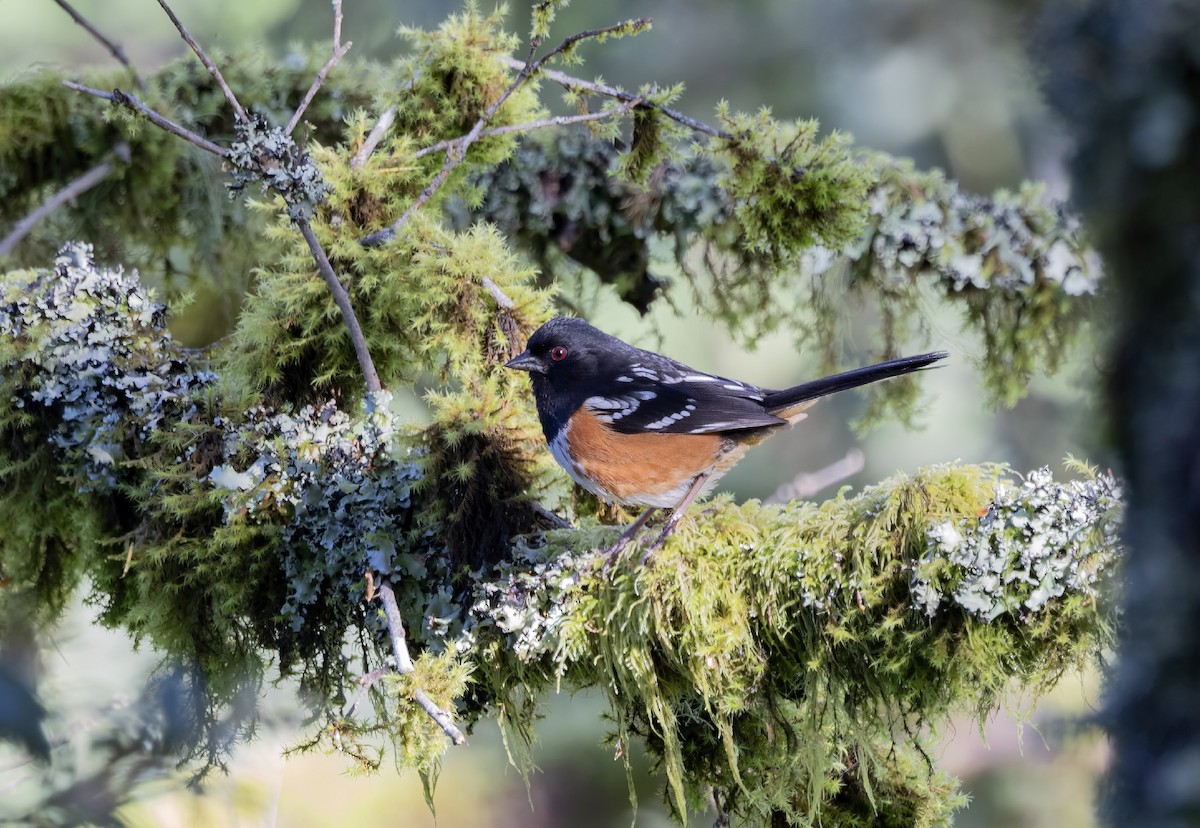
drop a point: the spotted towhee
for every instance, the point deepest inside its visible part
(641, 429)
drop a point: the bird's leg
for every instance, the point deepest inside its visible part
(629, 534)
(692, 491)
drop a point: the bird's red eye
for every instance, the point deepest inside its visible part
(557, 353)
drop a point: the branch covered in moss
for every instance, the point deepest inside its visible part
(788, 657)
(1017, 265)
(166, 213)
(237, 508)
(754, 202)
(770, 653)
(456, 149)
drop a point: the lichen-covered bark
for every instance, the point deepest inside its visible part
(757, 630)
(236, 507)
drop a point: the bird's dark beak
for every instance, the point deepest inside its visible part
(526, 361)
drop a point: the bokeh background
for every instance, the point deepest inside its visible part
(950, 83)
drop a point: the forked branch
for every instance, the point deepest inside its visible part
(456, 149)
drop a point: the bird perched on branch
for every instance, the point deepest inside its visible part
(640, 429)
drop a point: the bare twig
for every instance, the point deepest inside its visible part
(113, 48)
(205, 59)
(74, 188)
(560, 120)
(500, 296)
(126, 99)
(389, 233)
(456, 150)
(342, 299)
(805, 485)
(386, 119)
(560, 522)
(365, 683)
(571, 82)
(339, 51)
(316, 85)
(404, 663)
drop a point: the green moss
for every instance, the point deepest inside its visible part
(781, 655)
(228, 511)
(167, 213)
(791, 189)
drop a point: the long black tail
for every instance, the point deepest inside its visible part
(849, 379)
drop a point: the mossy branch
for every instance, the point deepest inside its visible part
(238, 508)
(771, 653)
(456, 150)
(1016, 265)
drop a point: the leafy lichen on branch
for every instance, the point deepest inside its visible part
(235, 512)
(806, 619)
(814, 620)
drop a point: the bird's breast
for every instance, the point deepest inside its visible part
(653, 469)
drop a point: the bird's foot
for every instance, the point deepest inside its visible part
(612, 554)
(658, 542)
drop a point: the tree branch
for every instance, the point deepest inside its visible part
(365, 683)
(560, 120)
(113, 48)
(74, 188)
(386, 119)
(339, 51)
(342, 299)
(500, 296)
(806, 484)
(571, 82)
(404, 663)
(121, 98)
(205, 59)
(456, 150)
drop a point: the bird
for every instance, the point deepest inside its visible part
(638, 428)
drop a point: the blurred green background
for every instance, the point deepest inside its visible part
(947, 82)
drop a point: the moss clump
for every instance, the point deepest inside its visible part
(788, 657)
(790, 189)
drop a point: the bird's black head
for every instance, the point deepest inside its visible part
(566, 347)
(567, 358)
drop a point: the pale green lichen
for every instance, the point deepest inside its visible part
(806, 619)
(229, 512)
(1036, 542)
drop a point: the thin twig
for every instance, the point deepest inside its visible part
(456, 151)
(339, 51)
(560, 120)
(571, 82)
(342, 299)
(404, 663)
(365, 683)
(113, 48)
(206, 60)
(807, 484)
(126, 99)
(74, 188)
(389, 233)
(316, 85)
(386, 119)
(500, 296)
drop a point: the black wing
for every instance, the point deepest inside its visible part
(657, 394)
